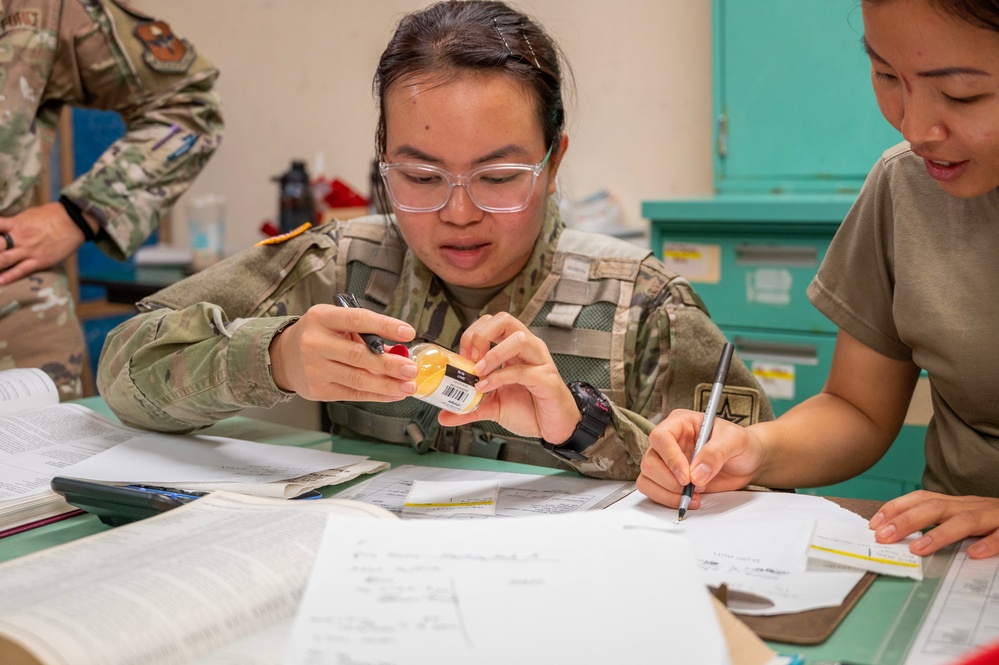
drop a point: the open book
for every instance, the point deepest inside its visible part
(169, 589)
(41, 438)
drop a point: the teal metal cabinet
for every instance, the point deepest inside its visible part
(751, 258)
(792, 97)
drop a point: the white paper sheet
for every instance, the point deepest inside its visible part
(965, 612)
(854, 546)
(457, 497)
(520, 493)
(757, 543)
(166, 459)
(566, 589)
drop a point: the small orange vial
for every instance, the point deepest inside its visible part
(445, 379)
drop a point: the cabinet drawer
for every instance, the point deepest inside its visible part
(790, 366)
(750, 282)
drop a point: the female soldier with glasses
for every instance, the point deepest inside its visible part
(475, 258)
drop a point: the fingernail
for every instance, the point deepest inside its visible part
(700, 474)
(406, 332)
(481, 385)
(409, 387)
(886, 531)
(480, 367)
(408, 372)
(977, 550)
(876, 520)
(922, 543)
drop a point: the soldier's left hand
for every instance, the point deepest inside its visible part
(43, 236)
(524, 391)
(956, 517)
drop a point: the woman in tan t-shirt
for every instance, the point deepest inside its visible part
(910, 283)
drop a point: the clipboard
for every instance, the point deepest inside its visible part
(815, 626)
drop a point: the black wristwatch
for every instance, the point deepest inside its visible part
(595, 409)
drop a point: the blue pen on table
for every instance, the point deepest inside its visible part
(374, 342)
(709, 418)
(173, 493)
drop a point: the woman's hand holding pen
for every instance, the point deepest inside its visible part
(956, 517)
(728, 461)
(525, 393)
(322, 357)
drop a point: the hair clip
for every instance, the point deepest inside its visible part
(533, 54)
(500, 33)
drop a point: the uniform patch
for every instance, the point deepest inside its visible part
(738, 404)
(163, 50)
(24, 19)
(277, 240)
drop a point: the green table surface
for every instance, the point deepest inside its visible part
(877, 631)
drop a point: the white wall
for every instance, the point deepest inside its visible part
(296, 81)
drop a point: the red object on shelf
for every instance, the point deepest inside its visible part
(269, 229)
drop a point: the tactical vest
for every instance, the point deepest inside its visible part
(580, 311)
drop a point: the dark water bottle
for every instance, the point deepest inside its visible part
(296, 205)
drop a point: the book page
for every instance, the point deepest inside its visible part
(26, 389)
(171, 588)
(555, 589)
(37, 445)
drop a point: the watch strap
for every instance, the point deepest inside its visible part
(595, 412)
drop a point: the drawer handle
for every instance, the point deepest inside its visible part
(796, 354)
(793, 256)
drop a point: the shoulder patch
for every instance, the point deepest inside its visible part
(29, 19)
(277, 240)
(163, 50)
(739, 405)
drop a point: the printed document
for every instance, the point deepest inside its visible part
(520, 494)
(965, 613)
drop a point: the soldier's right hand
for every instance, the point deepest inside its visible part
(321, 357)
(727, 461)
(43, 236)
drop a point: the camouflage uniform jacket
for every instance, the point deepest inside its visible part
(100, 54)
(611, 315)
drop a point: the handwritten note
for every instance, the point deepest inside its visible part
(495, 592)
(757, 543)
(460, 497)
(853, 545)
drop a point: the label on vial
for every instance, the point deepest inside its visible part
(456, 391)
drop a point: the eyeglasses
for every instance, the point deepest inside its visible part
(492, 188)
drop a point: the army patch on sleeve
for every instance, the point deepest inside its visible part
(738, 405)
(163, 50)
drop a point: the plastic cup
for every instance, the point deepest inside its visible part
(206, 225)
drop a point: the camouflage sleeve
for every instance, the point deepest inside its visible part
(672, 349)
(199, 351)
(112, 58)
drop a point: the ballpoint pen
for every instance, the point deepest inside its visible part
(374, 342)
(709, 418)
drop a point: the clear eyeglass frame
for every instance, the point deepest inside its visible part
(465, 180)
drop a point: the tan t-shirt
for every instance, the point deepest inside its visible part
(913, 273)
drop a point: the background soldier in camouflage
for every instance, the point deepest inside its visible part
(462, 86)
(102, 55)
